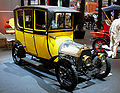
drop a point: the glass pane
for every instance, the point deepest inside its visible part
(28, 19)
(68, 23)
(40, 20)
(20, 17)
(62, 21)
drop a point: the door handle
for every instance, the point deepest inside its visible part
(54, 37)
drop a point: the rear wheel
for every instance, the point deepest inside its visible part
(18, 52)
(66, 75)
(98, 43)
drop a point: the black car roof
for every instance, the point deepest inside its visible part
(50, 8)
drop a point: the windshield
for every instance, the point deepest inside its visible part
(62, 21)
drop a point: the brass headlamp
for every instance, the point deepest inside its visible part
(87, 60)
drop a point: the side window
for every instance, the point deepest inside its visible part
(68, 20)
(62, 21)
(40, 20)
(20, 17)
(29, 19)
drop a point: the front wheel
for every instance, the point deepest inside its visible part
(66, 75)
(103, 69)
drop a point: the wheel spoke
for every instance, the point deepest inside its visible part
(65, 76)
(102, 68)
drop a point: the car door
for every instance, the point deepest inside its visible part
(19, 31)
(28, 31)
(40, 21)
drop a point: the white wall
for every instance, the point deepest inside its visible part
(6, 11)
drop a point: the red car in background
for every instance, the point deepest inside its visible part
(101, 36)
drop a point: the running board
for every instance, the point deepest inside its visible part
(33, 62)
(85, 78)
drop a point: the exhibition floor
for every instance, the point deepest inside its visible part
(27, 79)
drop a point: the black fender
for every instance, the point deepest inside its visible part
(60, 61)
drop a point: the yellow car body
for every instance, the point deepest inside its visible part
(43, 43)
(46, 33)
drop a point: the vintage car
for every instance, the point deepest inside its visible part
(46, 33)
(102, 37)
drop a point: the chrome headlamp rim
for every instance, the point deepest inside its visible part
(87, 60)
